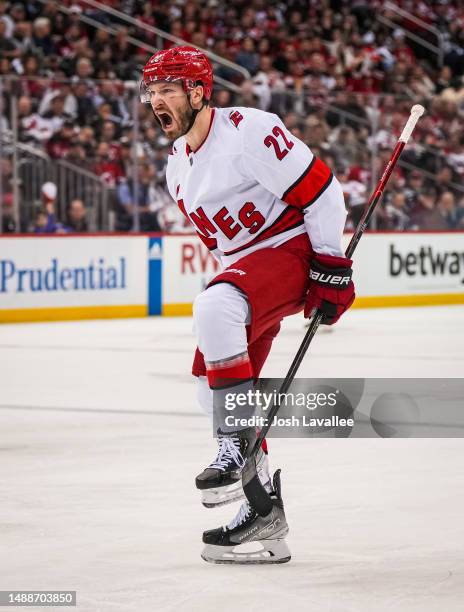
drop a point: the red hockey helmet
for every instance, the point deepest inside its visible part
(183, 63)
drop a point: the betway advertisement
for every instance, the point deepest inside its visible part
(410, 268)
(53, 277)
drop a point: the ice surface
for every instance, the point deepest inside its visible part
(100, 440)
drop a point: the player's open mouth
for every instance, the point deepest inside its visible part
(165, 119)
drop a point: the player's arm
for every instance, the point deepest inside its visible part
(331, 288)
(284, 165)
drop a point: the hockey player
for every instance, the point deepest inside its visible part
(273, 214)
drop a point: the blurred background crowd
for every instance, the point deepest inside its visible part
(80, 153)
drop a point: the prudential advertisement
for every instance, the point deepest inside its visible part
(72, 277)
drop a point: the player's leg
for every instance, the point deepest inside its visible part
(275, 283)
(265, 534)
(220, 493)
(258, 352)
(221, 314)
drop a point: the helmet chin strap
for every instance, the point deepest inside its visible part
(194, 113)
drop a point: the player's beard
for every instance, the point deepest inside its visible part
(182, 118)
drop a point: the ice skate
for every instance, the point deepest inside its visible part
(250, 538)
(220, 483)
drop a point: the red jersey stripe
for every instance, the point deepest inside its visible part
(309, 186)
(180, 204)
(210, 243)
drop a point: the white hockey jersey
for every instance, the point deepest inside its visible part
(252, 184)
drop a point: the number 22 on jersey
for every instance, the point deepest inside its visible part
(273, 140)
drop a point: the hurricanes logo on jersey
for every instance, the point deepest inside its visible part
(235, 271)
(235, 117)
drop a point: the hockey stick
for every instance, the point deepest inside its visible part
(254, 490)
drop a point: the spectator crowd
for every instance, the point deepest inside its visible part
(341, 80)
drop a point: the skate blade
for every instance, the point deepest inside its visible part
(272, 552)
(214, 498)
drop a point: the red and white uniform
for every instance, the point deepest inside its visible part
(254, 194)
(252, 185)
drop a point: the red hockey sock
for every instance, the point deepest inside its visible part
(229, 372)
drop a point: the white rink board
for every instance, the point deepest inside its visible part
(409, 263)
(68, 271)
(48, 278)
(386, 265)
(188, 266)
